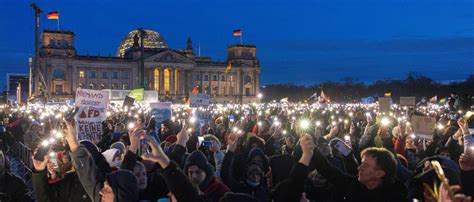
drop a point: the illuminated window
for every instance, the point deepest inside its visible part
(81, 74)
(156, 77)
(167, 80)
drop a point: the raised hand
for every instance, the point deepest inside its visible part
(466, 162)
(71, 135)
(463, 126)
(40, 165)
(157, 155)
(232, 142)
(183, 135)
(307, 145)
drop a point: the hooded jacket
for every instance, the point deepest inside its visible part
(211, 187)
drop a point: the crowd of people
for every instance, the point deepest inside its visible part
(252, 152)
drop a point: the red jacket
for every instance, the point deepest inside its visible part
(215, 190)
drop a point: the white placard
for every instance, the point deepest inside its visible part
(92, 108)
(407, 101)
(199, 100)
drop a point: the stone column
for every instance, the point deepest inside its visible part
(172, 90)
(162, 81)
(210, 83)
(200, 84)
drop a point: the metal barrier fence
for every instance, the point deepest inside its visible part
(21, 164)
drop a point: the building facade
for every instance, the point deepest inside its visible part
(147, 63)
(17, 88)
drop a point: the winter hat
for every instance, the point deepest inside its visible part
(258, 152)
(124, 185)
(197, 158)
(110, 155)
(118, 145)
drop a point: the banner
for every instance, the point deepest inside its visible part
(384, 104)
(137, 94)
(92, 108)
(407, 101)
(367, 100)
(199, 100)
(160, 111)
(423, 125)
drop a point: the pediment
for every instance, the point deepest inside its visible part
(169, 56)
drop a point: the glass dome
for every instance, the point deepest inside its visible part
(152, 40)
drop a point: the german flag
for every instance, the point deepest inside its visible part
(53, 15)
(238, 32)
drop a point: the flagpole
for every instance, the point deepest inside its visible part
(58, 24)
(241, 33)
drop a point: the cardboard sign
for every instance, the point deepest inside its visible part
(423, 125)
(160, 111)
(407, 101)
(384, 104)
(199, 100)
(92, 108)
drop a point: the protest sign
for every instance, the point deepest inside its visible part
(128, 102)
(423, 125)
(160, 111)
(384, 104)
(199, 100)
(92, 108)
(407, 101)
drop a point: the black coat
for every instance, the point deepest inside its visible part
(352, 190)
(12, 188)
(68, 189)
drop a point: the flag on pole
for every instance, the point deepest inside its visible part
(323, 98)
(237, 32)
(313, 96)
(434, 99)
(53, 15)
(188, 101)
(442, 101)
(228, 68)
(137, 94)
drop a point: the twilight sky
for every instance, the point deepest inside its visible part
(298, 41)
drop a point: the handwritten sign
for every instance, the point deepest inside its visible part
(407, 101)
(92, 108)
(160, 111)
(199, 100)
(423, 125)
(384, 104)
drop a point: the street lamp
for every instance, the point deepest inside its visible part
(30, 77)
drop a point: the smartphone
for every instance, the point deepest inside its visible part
(206, 143)
(231, 118)
(200, 140)
(343, 148)
(53, 158)
(41, 152)
(70, 116)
